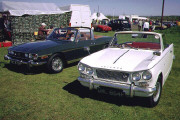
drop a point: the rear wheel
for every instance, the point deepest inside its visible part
(154, 99)
(55, 64)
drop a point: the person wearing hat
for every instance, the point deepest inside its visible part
(42, 32)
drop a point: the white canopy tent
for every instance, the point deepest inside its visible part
(95, 16)
(22, 8)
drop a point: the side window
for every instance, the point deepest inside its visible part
(85, 34)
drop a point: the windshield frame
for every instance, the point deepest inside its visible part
(114, 39)
(65, 29)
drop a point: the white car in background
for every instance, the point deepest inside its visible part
(134, 64)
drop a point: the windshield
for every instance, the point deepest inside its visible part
(67, 34)
(136, 41)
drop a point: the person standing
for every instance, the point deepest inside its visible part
(42, 32)
(140, 25)
(146, 26)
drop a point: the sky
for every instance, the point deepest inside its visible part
(122, 7)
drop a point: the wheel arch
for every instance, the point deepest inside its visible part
(60, 54)
(160, 78)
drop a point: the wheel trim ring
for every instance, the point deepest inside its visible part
(57, 64)
(156, 94)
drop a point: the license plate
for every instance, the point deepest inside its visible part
(16, 62)
(111, 91)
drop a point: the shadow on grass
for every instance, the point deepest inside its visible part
(24, 69)
(77, 89)
(33, 70)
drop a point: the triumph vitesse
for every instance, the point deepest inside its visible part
(135, 63)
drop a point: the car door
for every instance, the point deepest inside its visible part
(76, 49)
(167, 59)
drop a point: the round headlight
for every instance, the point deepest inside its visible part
(146, 75)
(136, 76)
(11, 52)
(35, 56)
(26, 55)
(89, 71)
(81, 67)
(30, 55)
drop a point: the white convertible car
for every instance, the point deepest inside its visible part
(134, 64)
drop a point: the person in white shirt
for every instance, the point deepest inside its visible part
(146, 26)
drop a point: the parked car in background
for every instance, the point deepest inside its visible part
(134, 64)
(168, 24)
(120, 25)
(60, 47)
(158, 26)
(101, 28)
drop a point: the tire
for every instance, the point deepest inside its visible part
(154, 99)
(55, 64)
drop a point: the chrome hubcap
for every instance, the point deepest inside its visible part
(157, 92)
(57, 64)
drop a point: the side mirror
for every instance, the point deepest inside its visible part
(157, 53)
(87, 49)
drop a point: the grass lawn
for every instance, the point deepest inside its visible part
(43, 96)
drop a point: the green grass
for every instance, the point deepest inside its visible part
(59, 96)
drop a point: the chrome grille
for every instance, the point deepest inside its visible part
(18, 55)
(112, 75)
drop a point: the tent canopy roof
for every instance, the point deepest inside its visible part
(100, 17)
(22, 8)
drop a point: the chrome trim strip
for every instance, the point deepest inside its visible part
(30, 62)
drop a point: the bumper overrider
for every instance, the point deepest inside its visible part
(129, 89)
(19, 62)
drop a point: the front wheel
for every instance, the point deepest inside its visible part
(154, 99)
(55, 64)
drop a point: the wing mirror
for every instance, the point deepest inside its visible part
(87, 49)
(157, 53)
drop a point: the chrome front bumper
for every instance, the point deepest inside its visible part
(19, 62)
(129, 89)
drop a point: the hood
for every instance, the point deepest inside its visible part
(34, 47)
(120, 59)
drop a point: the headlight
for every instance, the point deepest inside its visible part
(11, 52)
(146, 75)
(30, 55)
(33, 56)
(81, 67)
(26, 55)
(89, 71)
(136, 76)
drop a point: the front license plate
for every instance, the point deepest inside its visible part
(15, 62)
(111, 91)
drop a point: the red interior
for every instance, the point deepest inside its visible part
(145, 45)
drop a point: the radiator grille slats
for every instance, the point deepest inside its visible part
(112, 75)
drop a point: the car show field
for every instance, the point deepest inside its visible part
(37, 94)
